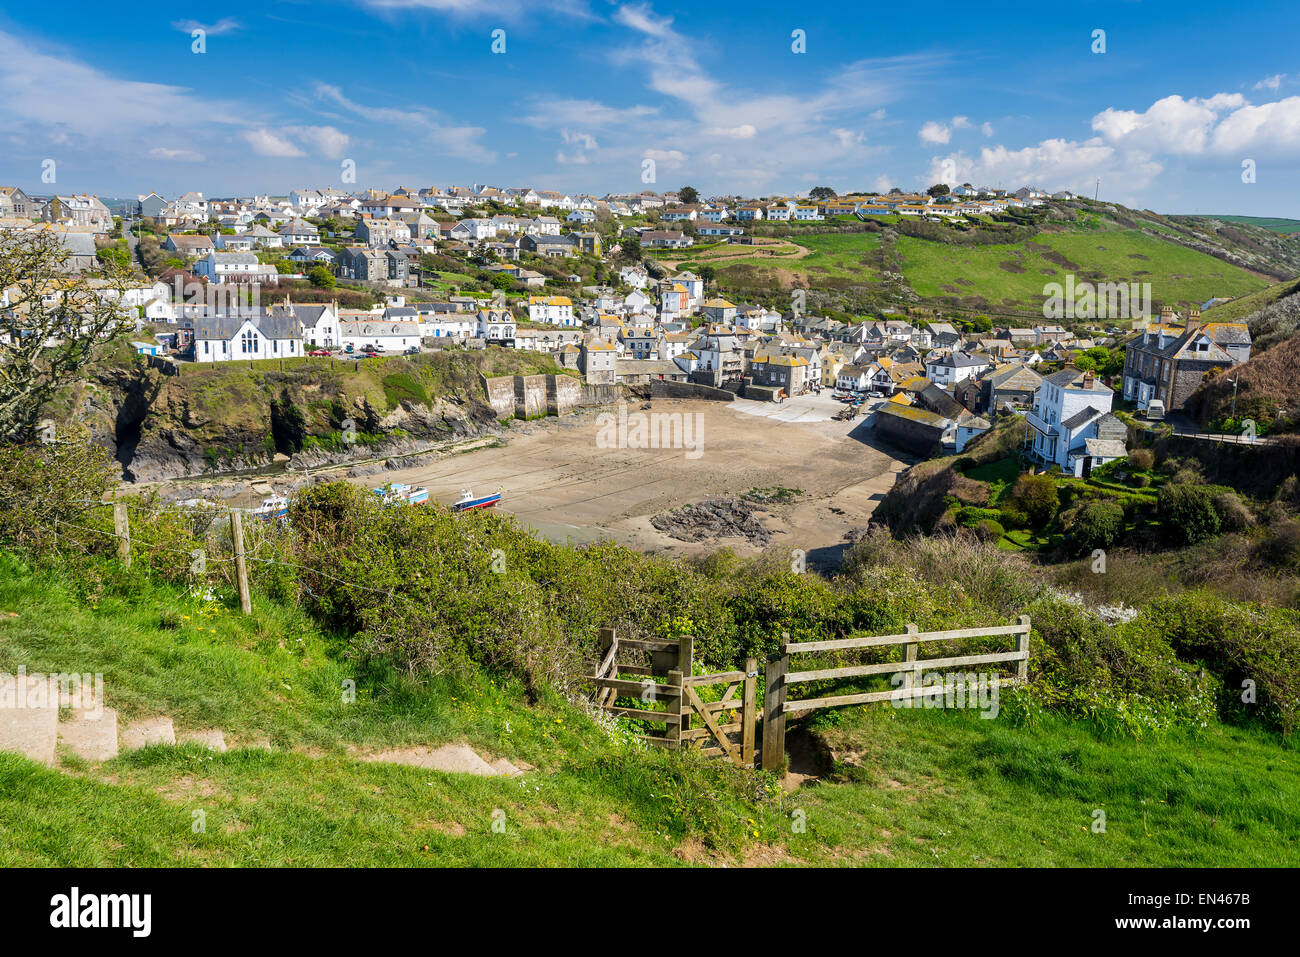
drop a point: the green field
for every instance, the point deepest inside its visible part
(1267, 222)
(999, 276)
(1014, 275)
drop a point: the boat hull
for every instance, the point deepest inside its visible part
(483, 501)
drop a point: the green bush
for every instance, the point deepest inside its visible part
(989, 530)
(1187, 513)
(1037, 497)
(1234, 516)
(1097, 524)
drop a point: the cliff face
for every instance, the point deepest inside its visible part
(215, 421)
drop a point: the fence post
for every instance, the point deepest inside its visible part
(774, 709)
(686, 663)
(747, 711)
(122, 529)
(241, 567)
(674, 729)
(913, 649)
(1022, 646)
(608, 638)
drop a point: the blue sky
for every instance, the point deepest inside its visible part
(412, 92)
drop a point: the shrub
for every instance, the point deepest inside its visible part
(1233, 513)
(1097, 524)
(989, 530)
(1282, 547)
(1036, 496)
(1139, 481)
(1014, 517)
(1141, 459)
(1187, 513)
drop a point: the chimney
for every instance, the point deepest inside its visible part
(1193, 318)
(1087, 380)
(1166, 313)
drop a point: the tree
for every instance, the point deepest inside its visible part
(688, 194)
(321, 277)
(45, 343)
(630, 249)
(821, 192)
(938, 189)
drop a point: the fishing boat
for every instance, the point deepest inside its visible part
(396, 493)
(275, 508)
(468, 500)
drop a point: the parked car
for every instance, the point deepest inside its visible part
(412, 351)
(320, 352)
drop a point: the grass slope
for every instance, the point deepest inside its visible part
(908, 787)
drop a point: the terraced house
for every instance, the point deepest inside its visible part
(1168, 361)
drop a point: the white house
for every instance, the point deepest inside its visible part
(260, 336)
(382, 336)
(240, 267)
(1071, 424)
(556, 310)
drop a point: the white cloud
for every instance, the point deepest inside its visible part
(179, 156)
(987, 129)
(224, 25)
(265, 143)
(1224, 124)
(584, 140)
(328, 141)
(961, 123)
(1271, 82)
(746, 131)
(459, 141)
(1052, 164)
(933, 132)
(56, 98)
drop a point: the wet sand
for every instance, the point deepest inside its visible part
(557, 479)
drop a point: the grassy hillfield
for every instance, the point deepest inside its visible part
(1001, 267)
(902, 788)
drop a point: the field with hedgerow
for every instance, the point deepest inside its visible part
(1169, 720)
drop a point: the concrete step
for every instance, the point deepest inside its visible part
(89, 735)
(147, 731)
(29, 721)
(454, 758)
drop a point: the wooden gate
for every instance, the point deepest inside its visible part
(726, 726)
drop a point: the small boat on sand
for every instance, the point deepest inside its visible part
(468, 500)
(396, 493)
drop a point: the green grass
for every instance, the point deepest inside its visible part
(949, 788)
(908, 787)
(1000, 476)
(1278, 225)
(1013, 275)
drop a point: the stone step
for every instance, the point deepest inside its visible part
(29, 721)
(212, 738)
(454, 758)
(89, 735)
(147, 731)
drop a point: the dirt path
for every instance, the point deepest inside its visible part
(762, 252)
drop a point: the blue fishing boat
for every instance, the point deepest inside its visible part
(396, 493)
(273, 509)
(468, 500)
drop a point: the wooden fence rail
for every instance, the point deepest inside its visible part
(780, 678)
